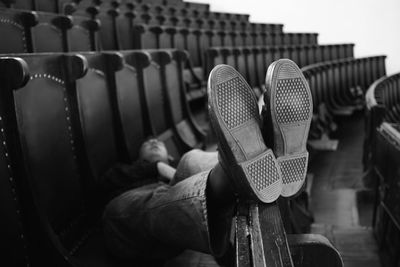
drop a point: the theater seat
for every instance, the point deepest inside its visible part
(132, 121)
(83, 35)
(150, 66)
(186, 128)
(16, 26)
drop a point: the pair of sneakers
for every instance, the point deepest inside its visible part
(262, 167)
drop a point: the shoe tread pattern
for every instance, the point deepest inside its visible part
(235, 103)
(292, 101)
(293, 169)
(263, 172)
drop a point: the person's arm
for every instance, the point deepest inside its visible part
(165, 172)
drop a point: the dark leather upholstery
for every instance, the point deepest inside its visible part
(182, 120)
(49, 158)
(145, 37)
(96, 115)
(157, 103)
(13, 243)
(22, 4)
(83, 35)
(49, 35)
(131, 115)
(16, 26)
(63, 119)
(47, 5)
(108, 30)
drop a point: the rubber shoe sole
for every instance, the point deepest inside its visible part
(290, 102)
(236, 122)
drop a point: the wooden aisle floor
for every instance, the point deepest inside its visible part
(337, 179)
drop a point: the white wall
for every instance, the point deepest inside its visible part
(372, 25)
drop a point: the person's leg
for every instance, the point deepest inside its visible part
(193, 162)
(159, 221)
(219, 189)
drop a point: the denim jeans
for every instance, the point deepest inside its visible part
(159, 221)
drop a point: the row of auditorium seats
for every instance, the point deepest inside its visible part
(202, 22)
(197, 41)
(338, 87)
(385, 93)
(128, 8)
(138, 9)
(29, 31)
(58, 6)
(385, 164)
(179, 8)
(252, 61)
(382, 105)
(102, 106)
(177, 29)
(66, 119)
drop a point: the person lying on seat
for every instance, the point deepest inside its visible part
(194, 210)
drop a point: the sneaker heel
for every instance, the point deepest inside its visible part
(264, 176)
(294, 171)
